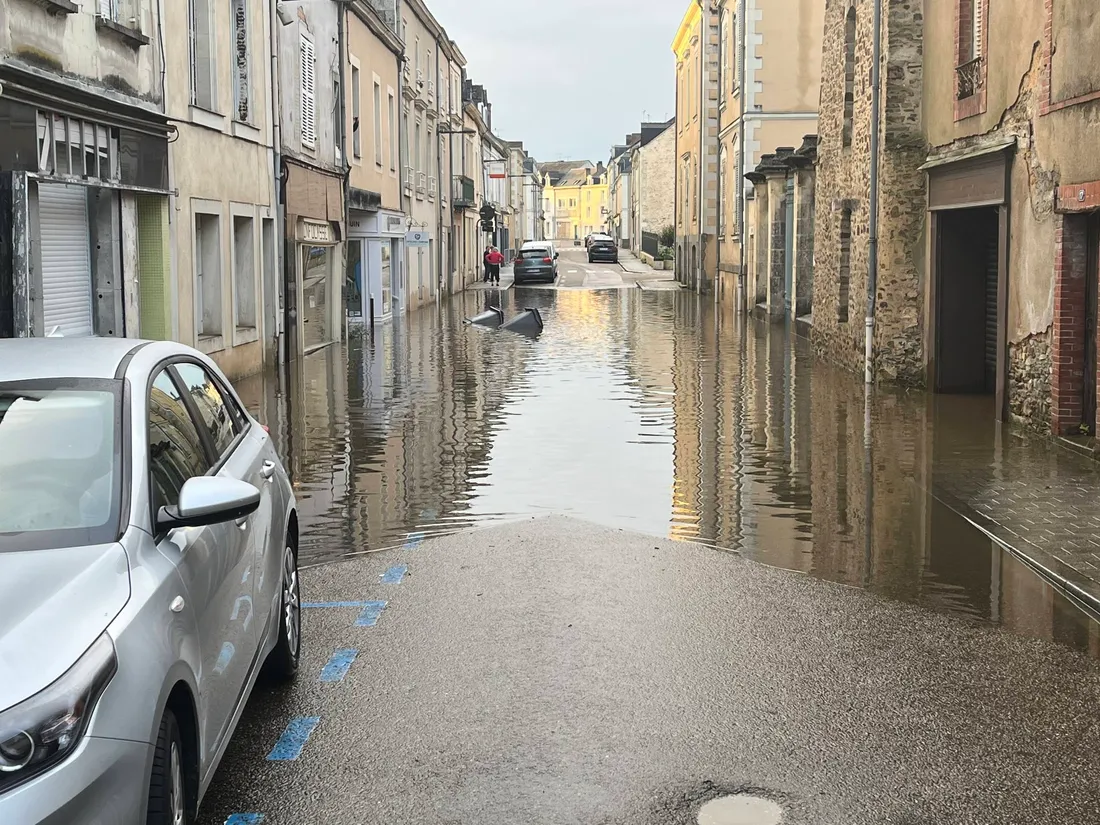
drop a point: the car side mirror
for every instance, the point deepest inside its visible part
(555, 256)
(206, 500)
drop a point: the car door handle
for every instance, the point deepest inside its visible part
(267, 470)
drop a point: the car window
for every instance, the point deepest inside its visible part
(216, 416)
(176, 452)
(59, 468)
(535, 253)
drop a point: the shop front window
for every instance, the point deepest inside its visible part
(353, 280)
(317, 292)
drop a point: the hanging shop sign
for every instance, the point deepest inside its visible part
(417, 238)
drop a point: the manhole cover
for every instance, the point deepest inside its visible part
(740, 809)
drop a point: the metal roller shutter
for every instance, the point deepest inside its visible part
(66, 260)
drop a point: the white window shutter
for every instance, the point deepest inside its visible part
(309, 95)
(105, 9)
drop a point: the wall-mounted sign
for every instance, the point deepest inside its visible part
(319, 232)
(417, 238)
(394, 222)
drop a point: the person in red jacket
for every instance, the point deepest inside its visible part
(494, 259)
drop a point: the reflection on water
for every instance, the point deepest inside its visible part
(640, 410)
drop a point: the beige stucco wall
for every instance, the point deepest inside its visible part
(655, 181)
(70, 44)
(219, 170)
(377, 64)
(687, 134)
(790, 55)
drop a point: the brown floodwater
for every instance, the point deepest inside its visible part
(647, 411)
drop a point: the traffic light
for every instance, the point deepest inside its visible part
(488, 225)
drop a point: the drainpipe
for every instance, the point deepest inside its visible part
(277, 171)
(345, 167)
(443, 284)
(702, 175)
(742, 47)
(872, 233)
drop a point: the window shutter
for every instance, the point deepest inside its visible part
(308, 95)
(105, 9)
(240, 39)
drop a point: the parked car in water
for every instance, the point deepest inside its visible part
(535, 261)
(603, 248)
(148, 571)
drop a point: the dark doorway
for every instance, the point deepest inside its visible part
(1092, 274)
(967, 320)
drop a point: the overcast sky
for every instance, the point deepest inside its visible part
(570, 78)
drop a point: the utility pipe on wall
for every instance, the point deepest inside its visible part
(872, 233)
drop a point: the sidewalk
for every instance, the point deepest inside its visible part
(507, 280)
(646, 276)
(1039, 500)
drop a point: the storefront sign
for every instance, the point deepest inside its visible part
(417, 239)
(394, 223)
(315, 232)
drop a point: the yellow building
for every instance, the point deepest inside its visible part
(575, 200)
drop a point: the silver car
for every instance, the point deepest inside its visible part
(148, 572)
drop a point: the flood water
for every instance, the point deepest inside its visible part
(644, 411)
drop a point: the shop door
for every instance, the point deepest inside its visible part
(317, 325)
(66, 260)
(1092, 294)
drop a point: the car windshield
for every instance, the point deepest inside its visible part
(59, 465)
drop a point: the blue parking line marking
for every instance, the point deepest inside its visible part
(370, 614)
(414, 540)
(244, 819)
(290, 744)
(395, 574)
(338, 666)
(315, 605)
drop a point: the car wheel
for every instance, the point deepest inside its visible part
(167, 783)
(282, 663)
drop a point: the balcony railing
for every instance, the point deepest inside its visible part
(970, 78)
(431, 186)
(421, 182)
(463, 191)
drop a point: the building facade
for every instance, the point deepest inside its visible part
(577, 202)
(696, 49)
(653, 185)
(620, 222)
(219, 97)
(315, 149)
(769, 85)
(376, 276)
(85, 243)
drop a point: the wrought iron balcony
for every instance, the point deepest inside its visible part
(463, 192)
(970, 78)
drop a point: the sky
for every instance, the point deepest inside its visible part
(570, 78)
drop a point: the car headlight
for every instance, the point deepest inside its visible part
(40, 732)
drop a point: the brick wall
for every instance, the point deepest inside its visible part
(1068, 351)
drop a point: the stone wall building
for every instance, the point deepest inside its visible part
(653, 184)
(843, 182)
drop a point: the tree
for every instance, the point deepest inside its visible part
(668, 236)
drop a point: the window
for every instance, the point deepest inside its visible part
(723, 190)
(429, 146)
(202, 52)
(589, 195)
(970, 52)
(59, 460)
(416, 148)
(845, 273)
(120, 11)
(308, 92)
(378, 123)
(356, 120)
(242, 87)
(723, 56)
(176, 453)
(738, 191)
(849, 75)
(393, 135)
(337, 127)
(572, 203)
(244, 272)
(208, 275)
(217, 419)
(267, 253)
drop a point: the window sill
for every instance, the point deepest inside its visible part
(59, 6)
(210, 343)
(245, 335)
(206, 118)
(133, 37)
(247, 132)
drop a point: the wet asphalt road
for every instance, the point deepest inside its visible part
(558, 672)
(562, 670)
